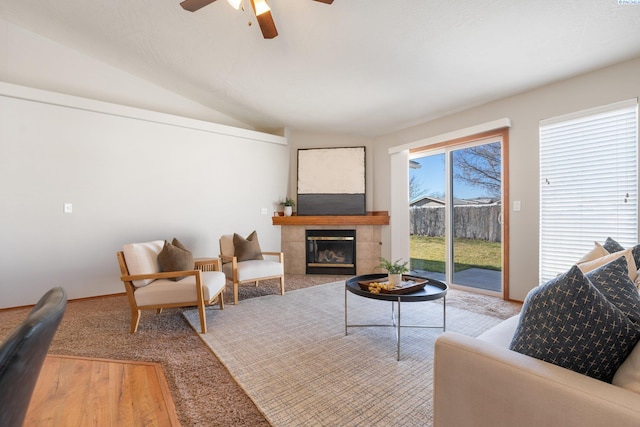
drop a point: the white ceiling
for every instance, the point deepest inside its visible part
(365, 67)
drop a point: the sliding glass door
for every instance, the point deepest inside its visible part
(456, 214)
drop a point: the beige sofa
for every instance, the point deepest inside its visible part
(479, 382)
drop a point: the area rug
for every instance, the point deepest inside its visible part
(291, 356)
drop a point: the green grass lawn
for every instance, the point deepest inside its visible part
(428, 253)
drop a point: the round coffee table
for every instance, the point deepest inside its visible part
(433, 289)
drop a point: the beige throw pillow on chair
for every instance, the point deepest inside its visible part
(247, 249)
(175, 257)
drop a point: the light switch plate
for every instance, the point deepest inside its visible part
(68, 208)
(516, 206)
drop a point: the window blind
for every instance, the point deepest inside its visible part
(588, 183)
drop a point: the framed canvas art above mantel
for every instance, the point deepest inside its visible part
(331, 181)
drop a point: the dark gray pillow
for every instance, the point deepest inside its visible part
(613, 281)
(569, 323)
(246, 249)
(612, 246)
(175, 257)
(635, 251)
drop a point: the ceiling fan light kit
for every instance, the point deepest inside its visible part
(260, 8)
(235, 4)
(265, 20)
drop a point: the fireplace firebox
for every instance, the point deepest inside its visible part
(331, 251)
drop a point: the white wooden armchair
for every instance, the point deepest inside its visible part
(243, 261)
(147, 288)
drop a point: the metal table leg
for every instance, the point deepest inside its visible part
(398, 328)
(345, 311)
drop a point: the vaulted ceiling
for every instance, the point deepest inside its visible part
(365, 67)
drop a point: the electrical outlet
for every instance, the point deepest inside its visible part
(264, 211)
(68, 208)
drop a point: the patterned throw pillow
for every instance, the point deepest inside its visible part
(632, 271)
(175, 257)
(612, 246)
(569, 323)
(613, 281)
(635, 251)
(246, 249)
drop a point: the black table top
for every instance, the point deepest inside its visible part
(434, 289)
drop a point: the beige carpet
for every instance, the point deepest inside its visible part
(291, 356)
(203, 390)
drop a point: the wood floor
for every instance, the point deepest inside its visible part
(78, 391)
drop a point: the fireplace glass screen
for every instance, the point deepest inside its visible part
(331, 251)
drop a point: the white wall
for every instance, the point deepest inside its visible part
(600, 87)
(300, 139)
(131, 176)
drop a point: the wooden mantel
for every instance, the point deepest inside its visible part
(371, 218)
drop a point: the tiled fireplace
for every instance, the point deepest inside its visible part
(368, 246)
(367, 228)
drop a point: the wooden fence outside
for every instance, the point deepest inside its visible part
(479, 222)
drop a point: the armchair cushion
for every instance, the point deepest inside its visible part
(254, 269)
(164, 291)
(226, 247)
(246, 249)
(142, 258)
(175, 257)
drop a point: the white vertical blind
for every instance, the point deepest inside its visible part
(588, 183)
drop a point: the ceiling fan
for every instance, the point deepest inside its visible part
(260, 8)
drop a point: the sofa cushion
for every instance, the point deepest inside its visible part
(142, 258)
(502, 333)
(569, 323)
(628, 374)
(613, 281)
(175, 257)
(598, 251)
(246, 249)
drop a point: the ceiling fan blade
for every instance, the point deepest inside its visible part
(193, 5)
(325, 1)
(265, 20)
(267, 25)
